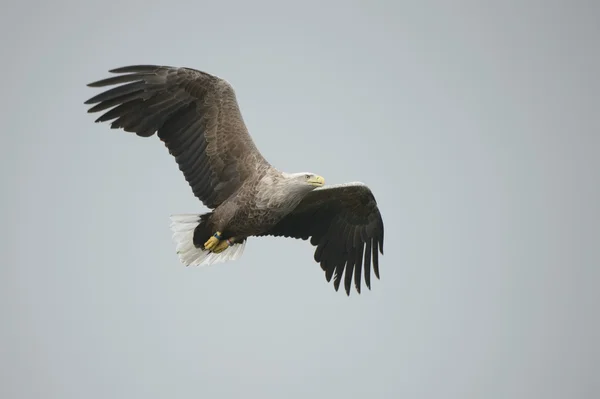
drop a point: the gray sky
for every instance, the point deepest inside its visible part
(475, 126)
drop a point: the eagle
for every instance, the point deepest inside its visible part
(197, 117)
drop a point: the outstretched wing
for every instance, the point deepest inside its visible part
(195, 114)
(344, 223)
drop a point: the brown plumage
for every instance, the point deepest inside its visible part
(197, 117)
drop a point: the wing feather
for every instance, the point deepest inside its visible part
(196, 116)
(345, 225)
(367, 263)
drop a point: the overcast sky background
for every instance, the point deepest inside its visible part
(474, 123)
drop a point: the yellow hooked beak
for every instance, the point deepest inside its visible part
(316, 181)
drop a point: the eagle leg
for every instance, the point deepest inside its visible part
(223, 245)
(213, 241)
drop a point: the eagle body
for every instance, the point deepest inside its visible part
(197, 117)
(258, 205)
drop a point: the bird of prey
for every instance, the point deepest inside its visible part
(197, 116)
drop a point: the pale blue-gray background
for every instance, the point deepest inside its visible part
(475, 123)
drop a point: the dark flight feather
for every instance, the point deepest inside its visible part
(343, 223)
(196, 116)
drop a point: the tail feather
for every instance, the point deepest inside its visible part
(186, 230)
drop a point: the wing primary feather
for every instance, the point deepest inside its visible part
(117, 92)
(117, 101)
(339, 270)
(118, 111)
(375, 259)
(329, 269)
(349, 272)
(320, 249)
(137, 68)
(119, 79)
(351, 244)
(127, 121)
(368, 264)
(358, 266)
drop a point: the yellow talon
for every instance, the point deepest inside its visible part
(222, 246)
(212, 242)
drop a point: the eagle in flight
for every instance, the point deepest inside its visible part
(197, 117)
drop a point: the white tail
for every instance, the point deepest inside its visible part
(183, 226)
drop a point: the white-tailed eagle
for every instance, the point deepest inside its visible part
(197, 117)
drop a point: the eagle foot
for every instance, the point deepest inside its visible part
(223, 245)
(213, 241)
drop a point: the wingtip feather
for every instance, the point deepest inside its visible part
(134, 68)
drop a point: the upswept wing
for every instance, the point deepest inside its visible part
(344, 223)
(197, 117)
